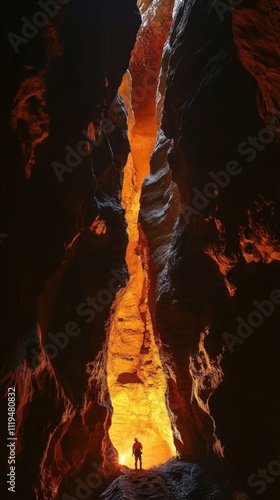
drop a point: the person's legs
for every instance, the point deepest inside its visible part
(138, 457)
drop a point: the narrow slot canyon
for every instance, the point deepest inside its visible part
(136, 379)
(140, 249)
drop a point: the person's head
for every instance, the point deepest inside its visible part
(135, 440)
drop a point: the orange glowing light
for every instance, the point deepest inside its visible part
(257, 243)
(98, 226)
(207, 375)
(136, 378)
(217, 252)
(260, 244)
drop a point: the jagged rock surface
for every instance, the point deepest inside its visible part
(173, 480)
(223, 251)
(66, 232)
(61, 241)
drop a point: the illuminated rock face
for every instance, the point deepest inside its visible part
(136, 372)
(255, 33)
(140, 355)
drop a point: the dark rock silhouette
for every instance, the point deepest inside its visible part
(209, 241)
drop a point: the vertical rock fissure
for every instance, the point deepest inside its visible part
(136, 378)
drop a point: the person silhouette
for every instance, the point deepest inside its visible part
(137, 452)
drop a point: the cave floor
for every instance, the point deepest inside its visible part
(170, 481)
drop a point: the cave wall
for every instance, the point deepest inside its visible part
(65, 230)
(221, 250)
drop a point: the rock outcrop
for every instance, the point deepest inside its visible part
(215, 169)
(65, 147)
(168, 481)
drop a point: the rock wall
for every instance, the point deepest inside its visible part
(64, 148)
(214, 183)
(209, 231)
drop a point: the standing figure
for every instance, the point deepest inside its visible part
(137, 452)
